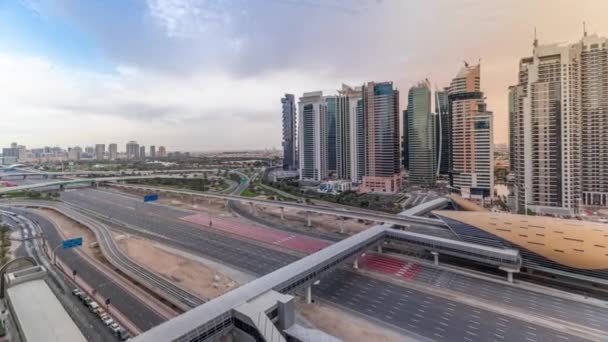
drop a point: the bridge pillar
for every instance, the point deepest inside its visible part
(379, 248)
(226, 204)
(509, 276)
(356, 263)
(510, 272)
(308, 219)
(309, 294)
(282, 214)
(61, 187)
(252, 206)
(435, 258)
(341, 224)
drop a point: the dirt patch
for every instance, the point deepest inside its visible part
(345, 326)
(69, 228)
(191, 275)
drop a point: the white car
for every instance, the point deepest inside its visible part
(114, 327)
(107, 320)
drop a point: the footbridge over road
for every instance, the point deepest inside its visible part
(220, 315)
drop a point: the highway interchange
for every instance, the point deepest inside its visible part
(343, 288)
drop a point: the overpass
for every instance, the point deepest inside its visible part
(338, 212)
(220, 315)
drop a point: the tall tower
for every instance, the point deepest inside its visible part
(100, 149)
(113, 150)
(382, 151)
(152, 151)
(289, 132)
(312, 136)
(132, 150)
(420, 137)
(443, 131)
(552, 103)
(348, 133)
(471, 145)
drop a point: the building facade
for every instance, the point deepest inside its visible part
(132, 149)
(162, 152)
(290, 158)
(152, 151)
(471, 136)
(142, 152)
(312, 136)
(420, 137)
(349, 134)
(113, 151)
(559, 128)
(443, 131)
(382, 147)
(100, 150)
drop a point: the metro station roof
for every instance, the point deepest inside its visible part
(40, 315)
(465, 204)
(578, 244)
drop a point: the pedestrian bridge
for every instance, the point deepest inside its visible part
(220, 315)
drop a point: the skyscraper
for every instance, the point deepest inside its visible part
(289, 133)
(132, 150)
(559, 127)
(420, 136)
(152, 151)
(113, 150)
(100, 149)
(312, 132)
(382, 148)
(162, 152)
(142, 152)
(350, 134)
(472, 170)
(443, 131)
(331, 103)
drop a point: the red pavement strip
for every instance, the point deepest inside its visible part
(389, 265)
(111, 310)
(284, 239)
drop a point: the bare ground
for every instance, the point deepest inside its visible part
(187, 273)
(69, 228)
(346, 326)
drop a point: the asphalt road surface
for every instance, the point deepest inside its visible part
(139, 313)
(372, 298)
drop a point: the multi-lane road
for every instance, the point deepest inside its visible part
(407, 309)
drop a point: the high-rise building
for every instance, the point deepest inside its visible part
(420, 136)
(142, 152)
(132, 150)
(100, 150)
(74, 153)
(350, 134)
(312, 132)
(89, 149)
(162, 152)
(331, 110)
(443, 131)
(290, 157)
(152, 151)
(113, 151)
(471, 142)
(559, 127)
(382, 147)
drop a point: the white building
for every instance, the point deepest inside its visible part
(312, 136)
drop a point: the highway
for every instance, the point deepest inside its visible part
(138, 312)
(162, 223)
(157, 284)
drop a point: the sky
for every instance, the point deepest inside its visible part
(201, 75)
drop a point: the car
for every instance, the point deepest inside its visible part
(99, 311)
(87, 300)
(76, 292)
(93, 306)
(107, 320)
(114, 327)
(123, 334)
(82, 295)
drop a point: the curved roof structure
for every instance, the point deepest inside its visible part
(577, 244)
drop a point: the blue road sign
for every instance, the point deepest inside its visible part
(71, 243)
(150, 198)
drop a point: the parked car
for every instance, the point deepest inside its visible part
(123, 334)
(107, 320)
(76, 292)
(87, 300)
(99, 311)
(114, 327)
(93, 306)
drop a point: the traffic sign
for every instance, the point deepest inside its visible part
(150, 198)
(71, 243)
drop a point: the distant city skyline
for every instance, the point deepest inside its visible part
(182, 80)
